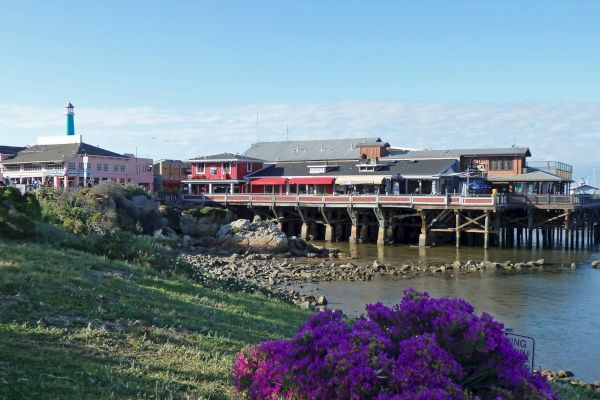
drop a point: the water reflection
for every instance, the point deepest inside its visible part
(559, 307)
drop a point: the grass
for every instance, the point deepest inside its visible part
(77, 326)
(74, 325)
(569, 392)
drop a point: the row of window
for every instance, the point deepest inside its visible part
(504, 164)
(225, 167)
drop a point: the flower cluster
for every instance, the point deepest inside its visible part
(422, 348)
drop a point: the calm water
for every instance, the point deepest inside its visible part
(559, 307)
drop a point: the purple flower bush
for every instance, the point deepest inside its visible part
(420, 349)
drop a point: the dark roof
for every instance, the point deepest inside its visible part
(403, 168)
(58, 153)
(532, 176)
(457, 153)
(10, 149)
(226, 157)
(312, 150)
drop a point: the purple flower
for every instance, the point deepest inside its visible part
(422, 348)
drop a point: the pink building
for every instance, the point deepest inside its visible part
(66, 161)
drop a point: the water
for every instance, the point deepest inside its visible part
(559, 307)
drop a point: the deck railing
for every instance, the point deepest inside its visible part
(340, 200)
(408, 200)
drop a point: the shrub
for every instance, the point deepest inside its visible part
(204, 211)
(148, 251)
(18, 213)
(132, 190)
(106, 207)
(422, 348)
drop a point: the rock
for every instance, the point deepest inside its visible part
(256, 219)
(378, 265)
(539, 262)
(322, 301)
(406, 268)
(456, 264)
(168, 232)
(185, 241)
(595, 264)
(573, 265)
(307, 306)
(190, 225)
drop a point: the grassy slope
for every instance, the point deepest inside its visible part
(74, 325)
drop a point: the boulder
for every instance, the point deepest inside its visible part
(378, 265)
(190, 225)
(595, 264)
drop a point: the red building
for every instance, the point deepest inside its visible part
(221, 173)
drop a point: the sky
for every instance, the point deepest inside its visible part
(178, 79)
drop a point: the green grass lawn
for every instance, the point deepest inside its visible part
(73, 325)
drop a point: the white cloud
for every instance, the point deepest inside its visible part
(565, 131)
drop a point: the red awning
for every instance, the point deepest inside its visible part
(268, 181)
(316, 180)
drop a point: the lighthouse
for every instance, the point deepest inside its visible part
(70, 119)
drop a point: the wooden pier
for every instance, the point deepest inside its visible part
(569, 221)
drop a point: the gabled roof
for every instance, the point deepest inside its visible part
(10, 149)
(312, 150)
(457, 153)
(404, 168)
(226, 157)
(58, 153)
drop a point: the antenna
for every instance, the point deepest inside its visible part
(287, 133)
(257, 127)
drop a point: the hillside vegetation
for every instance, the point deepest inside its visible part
(74, 325)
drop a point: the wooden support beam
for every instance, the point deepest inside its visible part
(472, 221)
(486, 234)
(457, 217)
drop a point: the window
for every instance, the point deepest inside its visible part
(105, 167)
(226, 168)
(249, 167)
(115, 168)
(213, 170)
(99, 167)
(81, 166)
(71, 165)
(200, 168)
(501, 164)
(122, 168)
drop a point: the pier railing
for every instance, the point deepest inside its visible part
(328, 200)
(548, 199)
(373, 200)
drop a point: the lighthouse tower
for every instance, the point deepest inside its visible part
(70, 119)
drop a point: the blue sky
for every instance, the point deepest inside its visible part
(182, 78)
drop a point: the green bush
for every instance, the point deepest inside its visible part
(26, 204)
(135, 190)
(148, 251)
(104, 208)
(18, 213)
(204, 211)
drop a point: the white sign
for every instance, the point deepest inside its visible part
(524, 344)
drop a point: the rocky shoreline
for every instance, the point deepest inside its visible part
(284, 275)
(568, 378)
